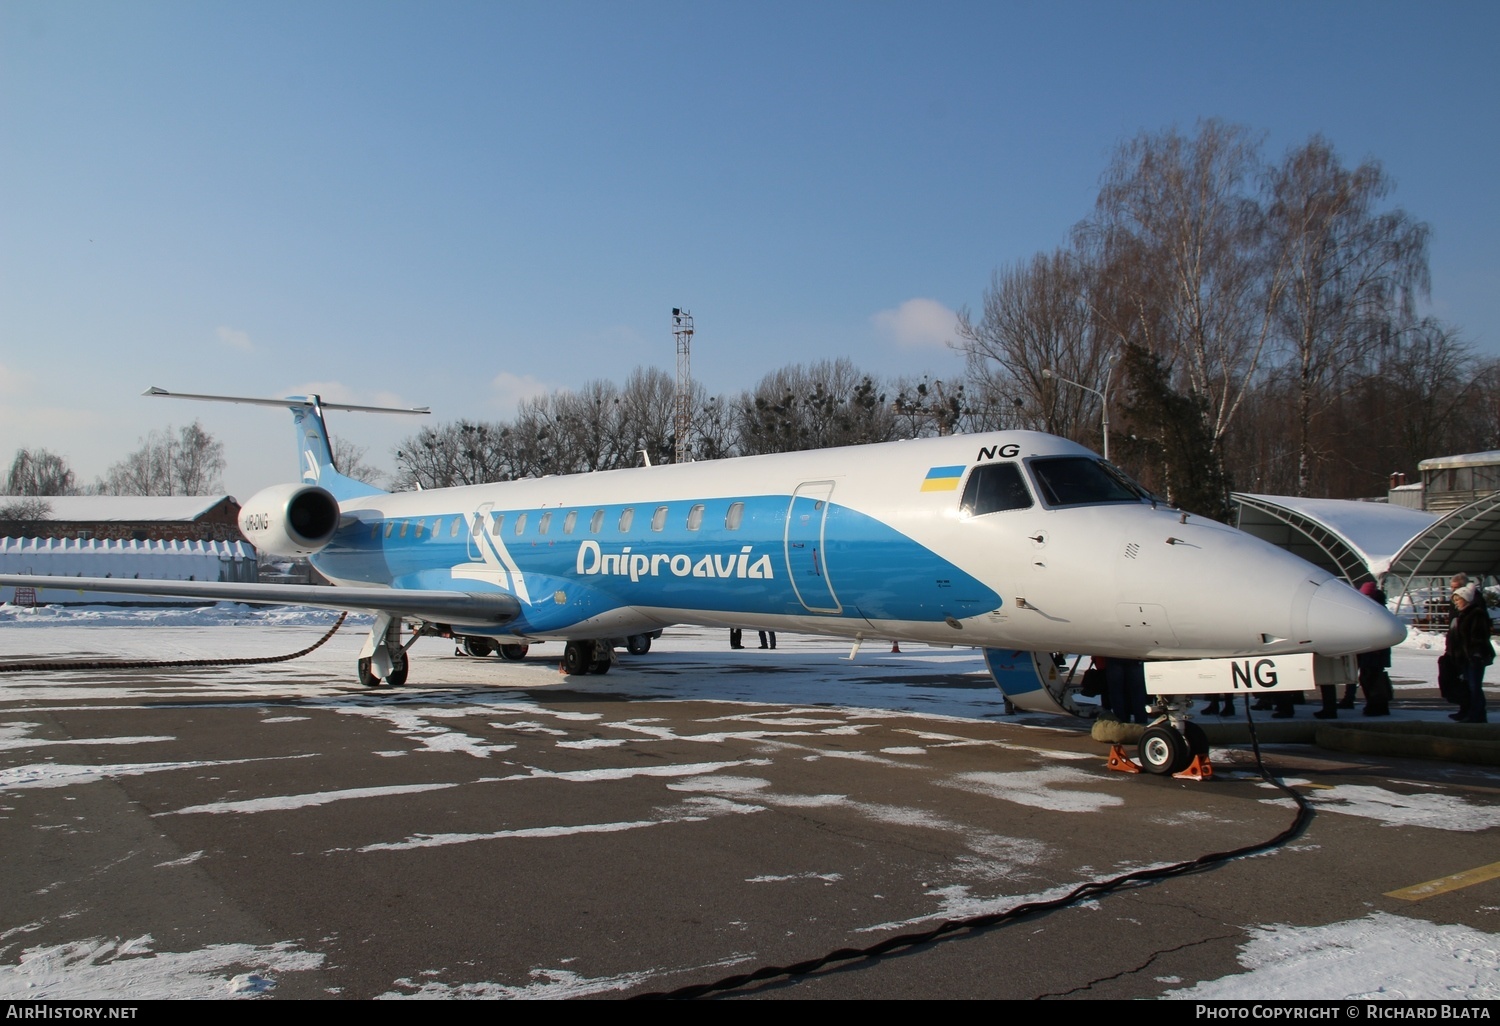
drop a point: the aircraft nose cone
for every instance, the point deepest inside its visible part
(1341, 621)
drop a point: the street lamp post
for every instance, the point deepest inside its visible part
(1048, 372)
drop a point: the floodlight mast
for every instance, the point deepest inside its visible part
(682, 329)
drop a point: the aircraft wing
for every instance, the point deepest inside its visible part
(488, 608)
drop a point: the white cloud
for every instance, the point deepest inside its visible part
(235, 339)
(509, 389)
(13, 381)
(917, 323)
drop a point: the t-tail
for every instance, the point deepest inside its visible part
(315, 453)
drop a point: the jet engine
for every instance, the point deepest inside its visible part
(290, 520)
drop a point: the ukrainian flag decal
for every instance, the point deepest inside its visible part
(942, 479)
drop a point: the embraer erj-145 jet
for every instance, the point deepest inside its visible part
(1013, 541)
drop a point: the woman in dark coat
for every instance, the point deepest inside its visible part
(1470, 646)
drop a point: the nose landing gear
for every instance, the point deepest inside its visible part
(1172, 745)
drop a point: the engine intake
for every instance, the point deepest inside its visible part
(291, 520)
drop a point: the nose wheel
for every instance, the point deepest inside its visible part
(1172, 746)
(1162, 750)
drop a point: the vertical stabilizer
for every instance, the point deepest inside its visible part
(316, 451)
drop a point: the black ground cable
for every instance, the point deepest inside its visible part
(142, 664)
(951, 927)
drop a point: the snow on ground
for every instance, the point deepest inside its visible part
(1417, 959)
(116, 970)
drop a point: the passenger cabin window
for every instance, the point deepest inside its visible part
(374, 532)
(659, 518)
(627, 517)
(437, 526)
(570, 521)
(453, 531)
(596, 521)
(543, 524)
(496, 524)
(1081, 481)
(390, 525)
(994, 487)
(421, 525)
(695, 517)
(734, 517)
(520, 523)
(478, 528)
(404, 526)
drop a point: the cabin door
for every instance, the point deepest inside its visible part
(479, 522)
(806, 565)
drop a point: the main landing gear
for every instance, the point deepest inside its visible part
(477, 646)
(383, 657)
(580, 657)
(1172, 745)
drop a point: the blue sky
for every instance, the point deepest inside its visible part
(453, 204)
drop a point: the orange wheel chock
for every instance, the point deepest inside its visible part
(1199, 769)
(1121, 762)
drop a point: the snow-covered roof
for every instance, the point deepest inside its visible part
(130, 508)
(1356, 540)
(1465, 460)
(1466, 540)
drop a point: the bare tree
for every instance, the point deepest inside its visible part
(189, 462)
(1353, 275)
(1181, 241)
(1487, 404)
(39, 472)
(713, 426)
(20, 517)
(463, 453)
(814, 407)
(590, 431)
(349, 460)
(649, 414)
(1037, 318)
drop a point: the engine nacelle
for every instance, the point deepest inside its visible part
(290, 520)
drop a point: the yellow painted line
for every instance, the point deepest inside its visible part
(1442, 885)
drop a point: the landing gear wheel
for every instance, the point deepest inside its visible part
(513, 653)
(366, 675)
(397, 676)
(638, 644)
(1197, 740)
(1162, 750)
(577, 660)
(478, 646)
(600, 665)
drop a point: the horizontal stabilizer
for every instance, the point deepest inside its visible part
(458, 607)
(284, 403)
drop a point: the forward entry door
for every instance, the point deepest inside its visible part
(806, 565)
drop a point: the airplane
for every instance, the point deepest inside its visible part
(1015, 542)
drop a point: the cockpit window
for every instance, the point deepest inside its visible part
(994, 487)
(1081, 481)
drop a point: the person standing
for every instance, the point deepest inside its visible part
(1469, 643)
(1374, 667)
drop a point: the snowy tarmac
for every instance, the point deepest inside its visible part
(495, 829)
